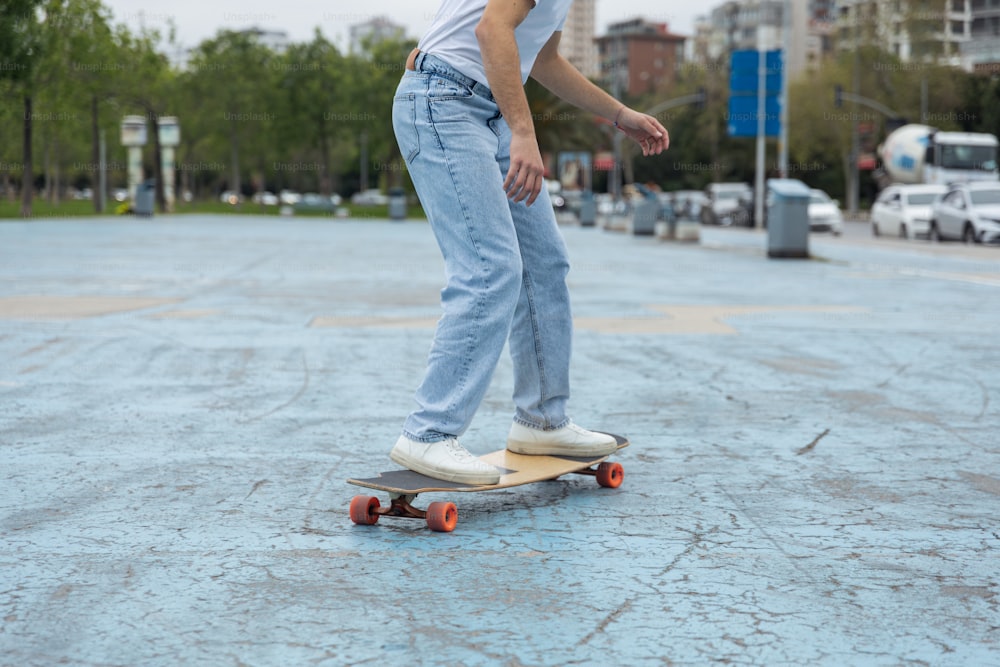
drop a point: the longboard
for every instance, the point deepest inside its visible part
(403, 486)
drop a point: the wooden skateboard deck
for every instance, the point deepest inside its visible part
(517, 469)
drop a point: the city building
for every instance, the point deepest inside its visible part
(376, 30)
(638, 57)
(276, 40)
(577, 41)
(982, 52)
(754, 24)
(908, 29)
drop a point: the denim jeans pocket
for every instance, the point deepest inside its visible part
(443, 88)
(404, 124)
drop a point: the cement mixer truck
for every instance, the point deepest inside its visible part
(922, 154)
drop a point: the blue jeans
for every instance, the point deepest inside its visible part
(505, 262)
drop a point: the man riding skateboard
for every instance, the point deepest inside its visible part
(464, 128)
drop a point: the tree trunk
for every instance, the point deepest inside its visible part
(95, 154)
(235, 186)
(56, 175)
(325, 182)
(47, 169)
(27, 177)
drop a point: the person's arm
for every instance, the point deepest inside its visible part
(565, 81)
(502, 63)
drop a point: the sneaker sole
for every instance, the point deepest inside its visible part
(536, 449)
(418, 466)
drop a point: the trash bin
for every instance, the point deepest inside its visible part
(644, 217)
(145, 198)
(397, 204)
(788, 218)
(588, 210)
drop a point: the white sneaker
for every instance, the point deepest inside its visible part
(445, 459)
(570, 440)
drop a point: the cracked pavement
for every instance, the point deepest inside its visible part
(814, 475)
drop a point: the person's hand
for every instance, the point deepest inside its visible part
(645, 130)
(527, 171)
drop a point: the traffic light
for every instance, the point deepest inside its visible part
(702, 98)
(838, 96)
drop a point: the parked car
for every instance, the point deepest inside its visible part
(265, 198)
(687, 204)
(312, 201)
(824, 214)
(728, 204)
(289, 197)
(969, 212)
(905, 210)
(230, 197)
(373, 197)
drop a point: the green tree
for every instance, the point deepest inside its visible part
(371, 86)
(20, 50)
(86, 53)
(230, 72)
(72, 77)
(311, 82)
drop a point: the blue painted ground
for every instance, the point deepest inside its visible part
(814, 476)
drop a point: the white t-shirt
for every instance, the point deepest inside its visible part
(452, 35)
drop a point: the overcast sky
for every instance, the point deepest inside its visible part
(196, 20)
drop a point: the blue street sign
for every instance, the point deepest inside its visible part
(744, 81)
(741, 121)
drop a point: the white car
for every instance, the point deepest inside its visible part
(905, 210)
(824, 214)
(969, 212)
(289, 197)
(372, 197)
(727, 204)
(265, 198)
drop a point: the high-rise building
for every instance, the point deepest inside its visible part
(982, 52)
(376, 30)
(638, 57)
(276, 40)
(577, 42)
(759, 24)
(913, 31)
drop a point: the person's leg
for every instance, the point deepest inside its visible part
(455, 174)
(542, 331)
(541, 337)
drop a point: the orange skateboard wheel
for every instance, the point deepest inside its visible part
(610, 475)
(442, 517)
(363, 510)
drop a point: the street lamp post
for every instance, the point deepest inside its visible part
(786, 38)
(170, 138)
(133, 137)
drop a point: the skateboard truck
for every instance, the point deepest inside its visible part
(440, 517)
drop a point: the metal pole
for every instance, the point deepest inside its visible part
(761, 131)
(786, 37)
(853, 194)
(923, 99)
(616, 141)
